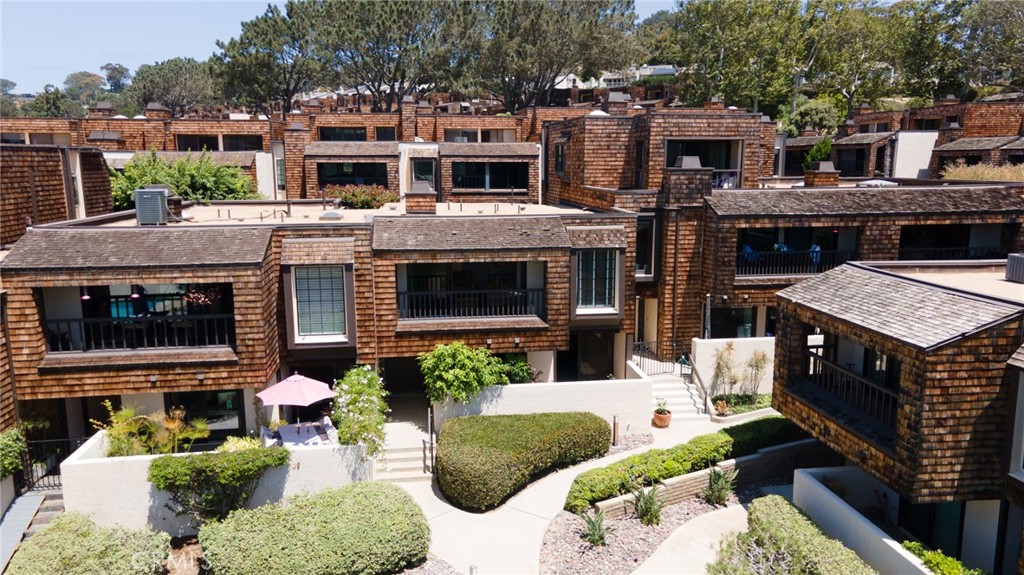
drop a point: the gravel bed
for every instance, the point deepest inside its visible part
(432, 566)
(564, 552)
(631, 441)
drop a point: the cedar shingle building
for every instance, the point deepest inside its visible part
(904, 370)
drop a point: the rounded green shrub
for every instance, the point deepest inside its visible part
(363, 528)
(12, 451)
(73, 544)
(482, 460)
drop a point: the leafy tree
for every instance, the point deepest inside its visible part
(6, 86)
(657, 35)
(275, 57)
(995, 43)
(820, 152)
(194, 178)
(930, 51)
(85, 87)
(118, 77)
(528, 44)
(393, 49)
(822, 114)
(8, 108)
(178, 83)
(52, 103)
(459, 372)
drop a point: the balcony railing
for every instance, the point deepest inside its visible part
(470, 304)
(140, 332)
(953, 253)
(727, 179)
(876, 401)
(751, 263)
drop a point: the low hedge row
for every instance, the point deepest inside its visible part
(938, 562)
(482, 460)
(363, 528)
(72, 543)
(656, 465)
(781, 535)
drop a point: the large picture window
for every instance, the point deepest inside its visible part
(595, 279)
(320, 301)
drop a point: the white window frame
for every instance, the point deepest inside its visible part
(300, 339)
(616, 285)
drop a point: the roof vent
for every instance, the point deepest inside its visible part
(1015, 268)
(151, 206)
(688, 162)
(330, 217)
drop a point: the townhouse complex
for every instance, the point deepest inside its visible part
(574, 236)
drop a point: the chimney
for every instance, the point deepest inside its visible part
(865, 108)
(807, 131)
(847, 129)
(102, 110)
(407, 112)
(421, 199)
(821, 175)
(715, 103)
(155, 110)
(685, 184)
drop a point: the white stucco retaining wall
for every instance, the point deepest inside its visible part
(838, 519)
(628, 399)
(115, 490)
(7, 493)
(703, 351)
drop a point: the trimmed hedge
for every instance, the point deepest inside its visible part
(365, 528)
(656, 465)
(781, 535)
(483, 459)
(72, 543)
(938, 562)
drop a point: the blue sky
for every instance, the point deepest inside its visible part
(44, 41)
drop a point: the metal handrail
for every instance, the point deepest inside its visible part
(765, 263)
(962, 253)
(877, 401)
(700, 382)
(140, 332)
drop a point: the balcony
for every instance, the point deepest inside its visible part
(850, 398)
(962, 253)
(772, 263)
(149, 331)
(470, 304)
(727, 179)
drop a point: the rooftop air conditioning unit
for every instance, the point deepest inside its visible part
(1015, 268)
(151, 206)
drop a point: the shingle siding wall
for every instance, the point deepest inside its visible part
(7, 418)
(33, 188)
(95, 184)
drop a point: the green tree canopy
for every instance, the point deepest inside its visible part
(178, 83)
(193, 178)
(118, 77)
(275, 57)
(6, 86)
(52, 103)
(994, 43)
(85, 87)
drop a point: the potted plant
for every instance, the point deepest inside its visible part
(662, 416)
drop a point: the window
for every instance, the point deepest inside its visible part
(489, 176)
(559, 158)
(595, 279)
(223, 410)
(320, 301)
(352, 173)
(12, 138)
(639, 161)
(717, 154)
(461, 136)
(385, 134)
(497, 136)
(644, 246)
(197, 143)
(280, 172)
(50, 139)
(243, 143)
(330, 134)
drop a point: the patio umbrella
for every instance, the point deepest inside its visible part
(295, 390)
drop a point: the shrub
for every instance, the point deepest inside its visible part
(518, 369)
(721, 482)
(738, 403)
(207, 486)
(657, 465)
(959, 170)
(646, 468)
(359, 410)
(129, 433)
(783, 540)
(459, 372)
(72, 543)
(193, 178)
(234, 443)
(820, 152)
(482, 460)
(753, 435)
(360, 197)
(938, 562)
(647, 506)
(12, 451)
(364, 528)
(594, 530)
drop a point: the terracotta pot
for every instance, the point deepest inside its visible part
(662, 419)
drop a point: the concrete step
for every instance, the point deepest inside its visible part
(52, 505)
(44, 517)
(402, 457)
(407, 476)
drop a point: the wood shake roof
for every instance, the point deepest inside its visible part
(862, 139)
(468, 233)
(352, 149)
(865, 201)
(918, 314)
(975, 144)
(149, 247)
(803, 141)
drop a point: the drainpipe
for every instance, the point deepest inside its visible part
(675, 276)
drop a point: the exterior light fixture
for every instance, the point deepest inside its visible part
(85, 294)
(135, 292)
(201, 375)
(152, 379)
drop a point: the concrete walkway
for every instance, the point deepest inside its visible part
(14, 523)
(694, 544)
(508, 539)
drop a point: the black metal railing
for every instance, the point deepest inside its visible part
(470, 303)
(41, 468)
(876, 401)
(752, 263)
(654, 357)
(953, 253)
(141, 332)
(495, 182)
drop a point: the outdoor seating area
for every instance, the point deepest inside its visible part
(319, 433)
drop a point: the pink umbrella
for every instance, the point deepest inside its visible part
(295, 390)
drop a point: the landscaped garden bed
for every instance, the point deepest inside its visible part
(740, 403)
(482, 460)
